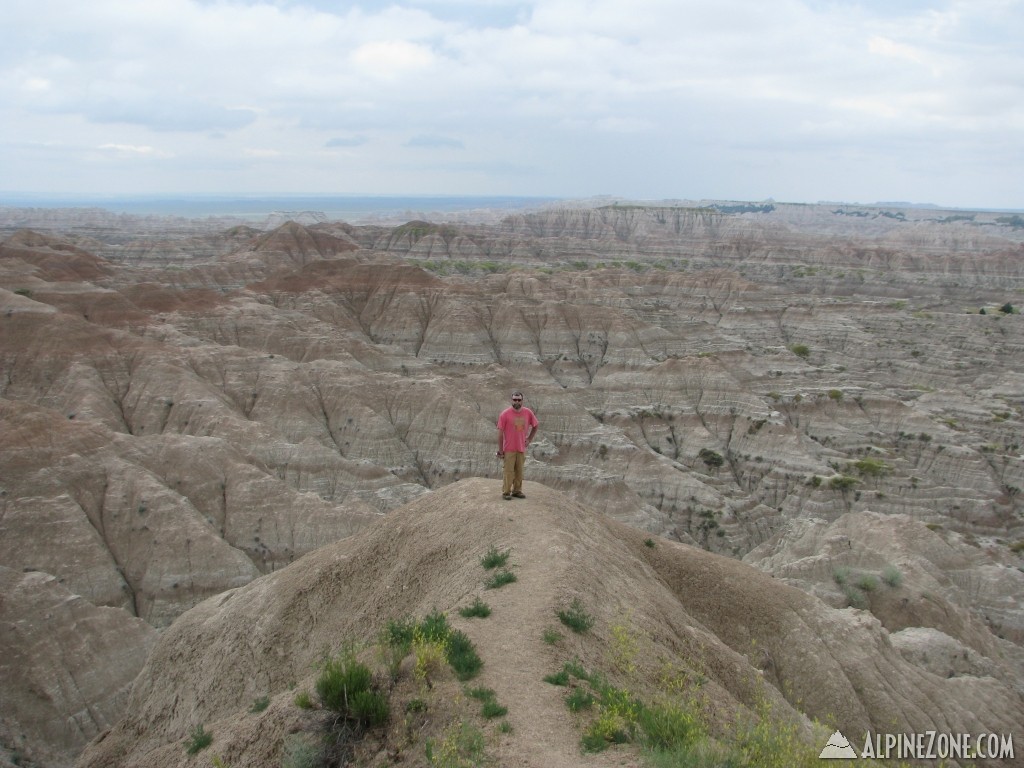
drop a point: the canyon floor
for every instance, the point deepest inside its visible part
(829, 397)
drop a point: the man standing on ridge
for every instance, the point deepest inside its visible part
(516, 427)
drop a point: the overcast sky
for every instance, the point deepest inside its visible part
(797, 100)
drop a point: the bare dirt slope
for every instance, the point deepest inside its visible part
(738, 636)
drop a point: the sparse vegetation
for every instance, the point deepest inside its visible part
(500, 579)
(463, 746)
(712, 459)
(302, 750)
(800, 350)
(478, 610)
(552, 636)
(892, 576)
(198, 739)
(345, 686)
(260, 704)
(494, 558)
(576, 617)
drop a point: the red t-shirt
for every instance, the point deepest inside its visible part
(515, 426)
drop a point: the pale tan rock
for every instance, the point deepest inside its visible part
(65, 663)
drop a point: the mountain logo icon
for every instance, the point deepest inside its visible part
(837, 747)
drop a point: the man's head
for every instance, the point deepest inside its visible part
(517, 399)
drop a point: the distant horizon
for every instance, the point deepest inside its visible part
(157, 203)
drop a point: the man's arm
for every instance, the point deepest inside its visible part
(501, 442)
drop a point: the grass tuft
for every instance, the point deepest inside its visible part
(198, 740)
(479, 610)
(500, 579)
(494, 558)
(576, 618)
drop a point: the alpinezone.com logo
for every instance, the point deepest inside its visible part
(928, 745)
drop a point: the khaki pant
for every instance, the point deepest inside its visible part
(513, 476)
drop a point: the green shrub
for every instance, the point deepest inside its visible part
(892, 576)
(871, 467)
(669, 725)
(800, 350)
(650, 543)
(558, 678)
(841, 575)
(198, 740)
(712, 459)
(494, 558)
(867, 582)
(340, 679)
(500, 579)
(398, 634)
(371, 708)
(303, 700)
(854, 597)
(579, 699)
(552, 636)
(462, 656)
(842, 483)
(576, 618)
(479, 609)
(493, 709)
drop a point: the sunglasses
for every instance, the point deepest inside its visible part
(517, 399)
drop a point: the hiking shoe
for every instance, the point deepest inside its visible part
(506, 496)
(519, 495)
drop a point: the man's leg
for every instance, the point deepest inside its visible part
(517, 478)
(508, 474)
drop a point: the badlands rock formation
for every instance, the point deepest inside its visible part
(740, 637)
(814, 389)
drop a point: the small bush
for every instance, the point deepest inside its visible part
(649, 543)
(712, 459)
(398, 634)
(462, 656)
(494, 558)
(854, 597)
(842, 483)
(463, 746)
(669, 725)
(493, 709)
(841, 575)
(302, 751)
(867, 582)
(552, 636)
(892, 576)
(800, 350)
(260, 704)
(558, 678)
(579, 700)
(303, 700)
(479, 610)
(871, 467)
(429, 655)
(198, 740)
(576, 618)
(500, 579)
(340, 679)
(371, 708)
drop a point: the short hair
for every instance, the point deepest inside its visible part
(516, 392)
